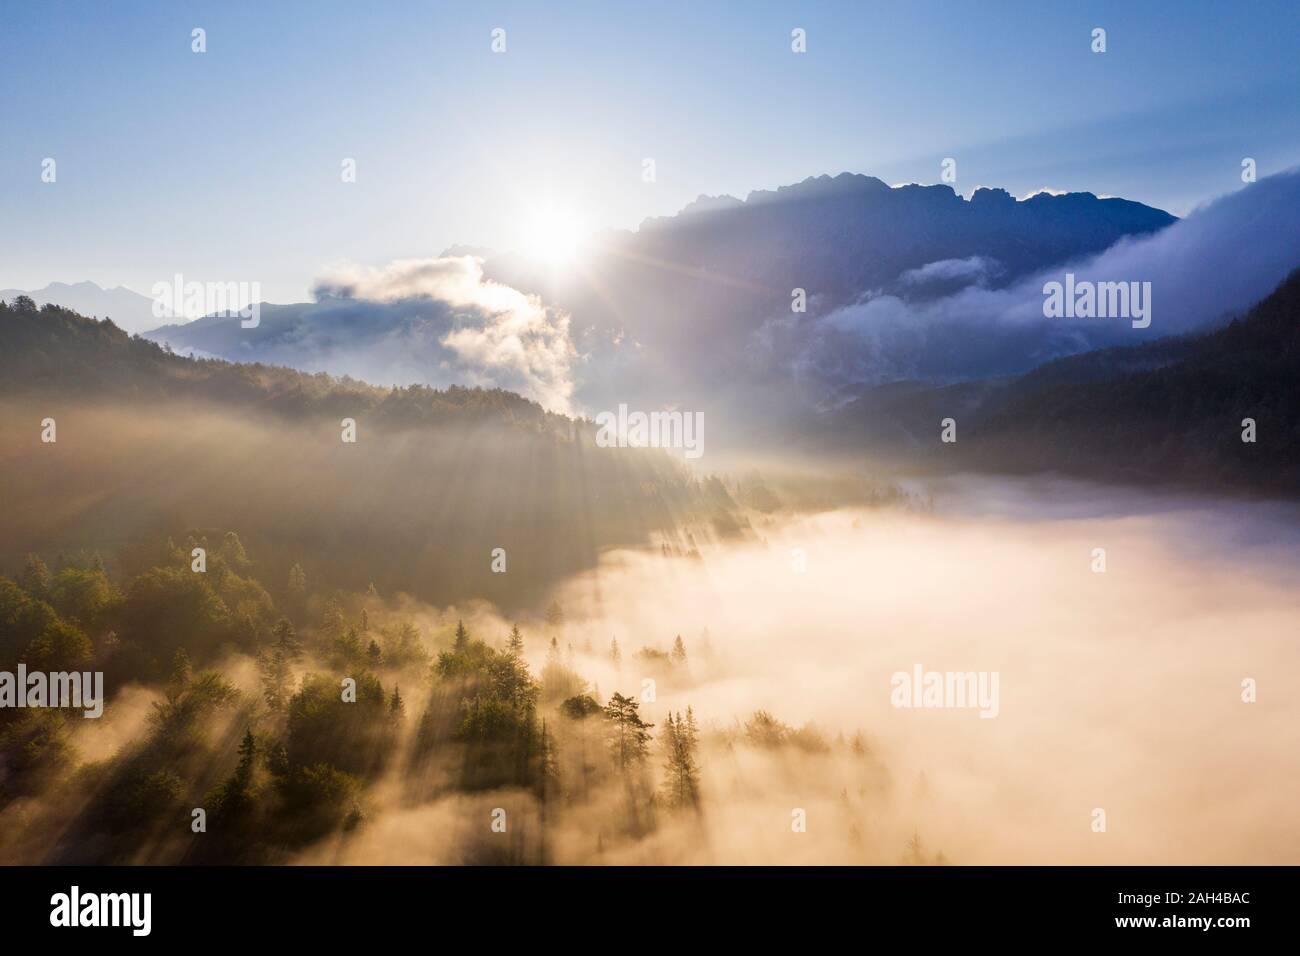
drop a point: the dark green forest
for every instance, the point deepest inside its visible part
(283, 712)
(287, 761)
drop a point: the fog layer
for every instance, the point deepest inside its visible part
(1120, 691)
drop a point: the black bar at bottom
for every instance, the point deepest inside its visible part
(297, 904)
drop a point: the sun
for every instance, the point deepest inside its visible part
(553, 235)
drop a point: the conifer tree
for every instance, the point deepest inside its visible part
(679, 651)
(679, 741)
(549, 767)
(233, 795)
(578, 709)
(182, 671)
(297, 582)
(630, 735)
(275, 678)
(247, 753)
(515, 643)
(692, 731)
(274, 662)
(232, 549)
(35, 577)
(333, 622)
(915, 854)
(285, 639)
(461, 644)
(554, 616)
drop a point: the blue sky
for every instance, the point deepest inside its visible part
(226, 165)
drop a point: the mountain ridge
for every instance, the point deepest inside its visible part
(639, 303)
(848, 183)
(127, 308)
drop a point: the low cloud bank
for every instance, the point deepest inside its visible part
(1214, 264)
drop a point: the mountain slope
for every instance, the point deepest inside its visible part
(1166, 412)
(1169, 411)
(150, 443)
(128, 310)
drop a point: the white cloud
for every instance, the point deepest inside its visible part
(489, 334)
(1219, 261)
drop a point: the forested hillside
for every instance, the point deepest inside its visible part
(150, 444)
(1170, 412)
(55, 351)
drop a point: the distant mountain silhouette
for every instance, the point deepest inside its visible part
(129, 310)
(848, 234)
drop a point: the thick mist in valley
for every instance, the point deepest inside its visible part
(1118, 690)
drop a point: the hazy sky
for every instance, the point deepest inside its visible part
(226, 166)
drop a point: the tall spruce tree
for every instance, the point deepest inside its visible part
(679, 742)
(679, 651)
(630, 735)
(285, 639)
(35, 577)
(297, 582)
(554, 616)
(274, 664)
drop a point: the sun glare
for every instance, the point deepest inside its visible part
(553, 235)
